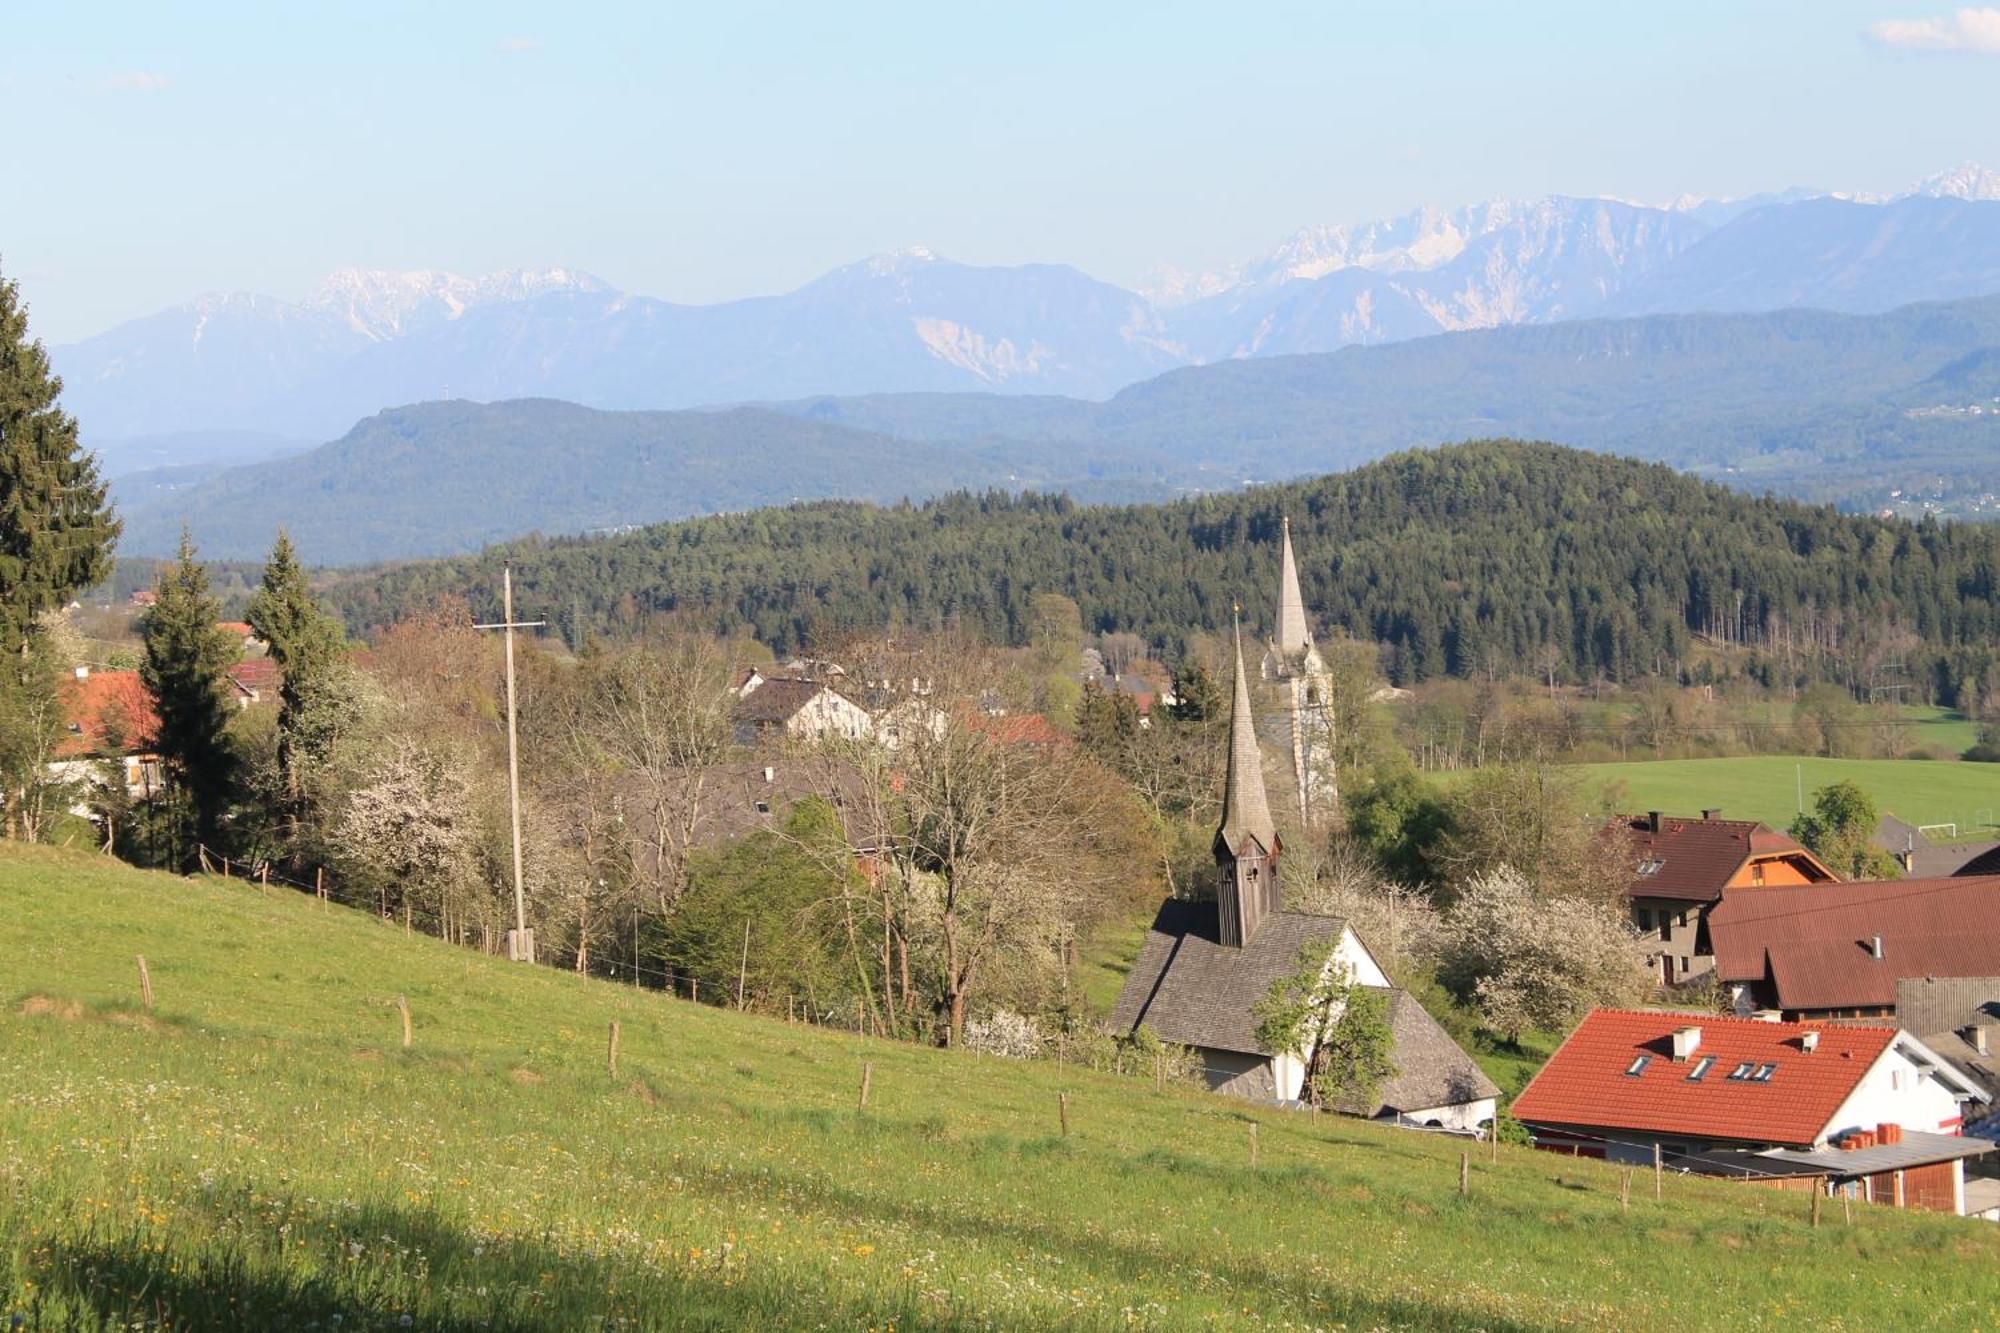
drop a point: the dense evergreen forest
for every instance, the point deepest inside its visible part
(1494, 557)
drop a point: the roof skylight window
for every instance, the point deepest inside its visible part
(1638, 1066)
(1701, 1067)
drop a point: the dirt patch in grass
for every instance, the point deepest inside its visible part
(525, 1076)
(48, 1006)
(144, 1022)
(369, 1057)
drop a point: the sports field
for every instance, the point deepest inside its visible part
(1768, 787)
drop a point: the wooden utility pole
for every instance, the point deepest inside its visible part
(520, 940)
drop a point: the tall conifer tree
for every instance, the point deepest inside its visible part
(186, 656)
(56, 528)
(305, 642)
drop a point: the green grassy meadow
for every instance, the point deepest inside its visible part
(259, 1151)
(1765, 787)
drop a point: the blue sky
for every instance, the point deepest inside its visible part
(699, 154)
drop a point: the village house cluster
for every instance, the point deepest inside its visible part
(1813, 1033)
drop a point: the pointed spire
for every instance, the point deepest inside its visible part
(1294, 636)
(1246, 811)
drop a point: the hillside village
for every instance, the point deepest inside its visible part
(1750, 1012)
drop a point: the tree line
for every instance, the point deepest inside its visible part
(1482, 559)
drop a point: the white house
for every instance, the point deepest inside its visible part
(808, 710)
(1867, 1110)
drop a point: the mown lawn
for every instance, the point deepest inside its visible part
(1766, 787)
(260, 1152)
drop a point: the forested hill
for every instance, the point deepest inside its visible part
(1462, 558)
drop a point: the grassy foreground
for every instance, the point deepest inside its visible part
(1765, 787)
(260, 1151)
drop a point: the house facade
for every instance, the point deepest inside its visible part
(1868, 1110)
(1682, 867)
(786, 707)
(1204, 966)
(111, 726)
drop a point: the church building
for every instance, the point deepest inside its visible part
(1205, 965)
(1293, 663)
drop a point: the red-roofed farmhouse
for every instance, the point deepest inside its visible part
(1759, 1100)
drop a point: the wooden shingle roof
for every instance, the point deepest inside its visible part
(1190, 988)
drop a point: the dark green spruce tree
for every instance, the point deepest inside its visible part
(305, 642)
(186, 656)
(56, 528)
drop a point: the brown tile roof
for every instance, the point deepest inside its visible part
(1695, 857)
(1190, 988)
(1586, 1083)
(94, 703)
(255, 675)
(1812, 941)
(777, 700)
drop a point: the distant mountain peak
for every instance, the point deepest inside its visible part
(1967, 181)
(388, 303)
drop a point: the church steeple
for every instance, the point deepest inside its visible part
(1246, 845)
(1294, 637)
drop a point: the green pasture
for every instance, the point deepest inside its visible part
(261, 1151)
(1767, 787)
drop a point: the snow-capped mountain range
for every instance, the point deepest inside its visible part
(915, 321)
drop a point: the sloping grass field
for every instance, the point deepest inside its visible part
(1766, 787)
(260, 1151)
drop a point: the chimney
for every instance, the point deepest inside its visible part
(1686, 1042)
(770, 774)
(1980, 1038)
(1712, 814)
(1809, 1042)
(83, 673)
(1652, 821)
(1888, 1135)
(1875, 947)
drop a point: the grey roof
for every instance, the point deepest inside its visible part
(1246, 810)
(1431, 1068)
(1187, 987)
(1940, 1004)
(1916, 1149)
(1293, 636)
(1932, 860)
(1190, 988)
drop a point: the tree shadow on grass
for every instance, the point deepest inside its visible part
(381, 1267)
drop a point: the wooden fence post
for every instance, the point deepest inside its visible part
(694, 989)
(225, 867)
(1817, 1195)
(1847, 1208)
(1464, 1174)
(1625, 1192)
(611, 1056)
(743, 967)
(1253, 1145)
(264, 878)
(1658, 1173)
(403, 1006)
(1495, 1145)
(319, 886)
(867, 1077)
(145, 984)
(1160, 1070)
(1062, 1112)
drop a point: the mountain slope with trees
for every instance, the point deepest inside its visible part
(1466, 560)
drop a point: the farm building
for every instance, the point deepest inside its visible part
(1867, 1110)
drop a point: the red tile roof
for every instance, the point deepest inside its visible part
(241, 627)
(1813, 940)
(1585, 1082)
(94, 704)
(258, 674)
(1696, 857)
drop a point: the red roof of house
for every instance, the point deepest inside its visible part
(236, 627)
(255, 674)
(93, 703)
(1693, 859)
(1814, 941)
(1587, 1082)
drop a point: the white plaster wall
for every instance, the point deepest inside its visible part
(1469, 1115)
(1920, 1103)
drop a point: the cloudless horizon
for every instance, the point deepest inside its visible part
(705, 155)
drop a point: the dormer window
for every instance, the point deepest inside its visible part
(1650, 866)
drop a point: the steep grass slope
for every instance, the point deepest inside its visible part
(259, 1151)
